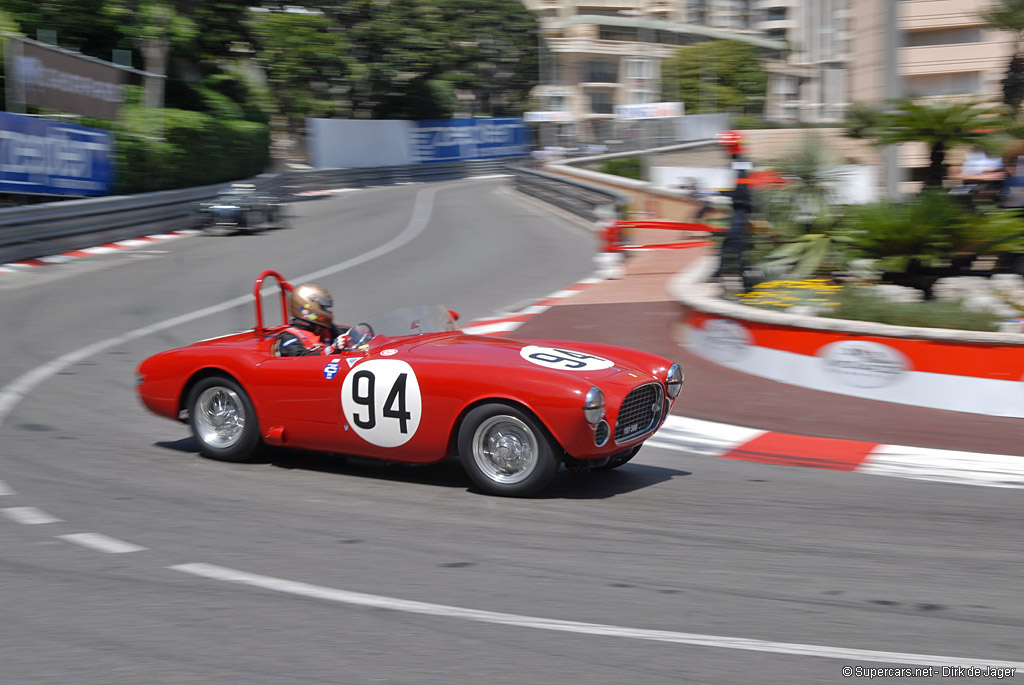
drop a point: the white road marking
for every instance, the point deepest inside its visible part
(103, 543)
(5, 489)
(381, 602)
(28, 515)
(13, 392)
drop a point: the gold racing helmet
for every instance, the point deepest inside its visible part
(312, 303)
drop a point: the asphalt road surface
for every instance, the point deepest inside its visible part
(126, 558)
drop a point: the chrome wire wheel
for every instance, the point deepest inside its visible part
(219, 417)
(505, 449)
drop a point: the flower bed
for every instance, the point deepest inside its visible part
(968, 371)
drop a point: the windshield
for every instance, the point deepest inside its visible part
(418, 320)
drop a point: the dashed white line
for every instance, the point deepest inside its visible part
(380, 602)
(102, 543)
(28, 515)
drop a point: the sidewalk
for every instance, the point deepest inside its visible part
(636, 311)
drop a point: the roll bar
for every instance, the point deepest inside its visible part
(286, 287)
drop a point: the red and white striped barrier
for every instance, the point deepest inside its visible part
(965, 371)
(98, 250)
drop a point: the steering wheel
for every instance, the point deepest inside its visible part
(359, 335)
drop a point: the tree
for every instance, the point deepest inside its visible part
(940, 125)
(717, 76)
(305, 60)
(411, 56)
(496, 55)
(1009, 15)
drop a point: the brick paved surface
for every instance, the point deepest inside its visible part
(637, 311)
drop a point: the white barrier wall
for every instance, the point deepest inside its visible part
(356, 143)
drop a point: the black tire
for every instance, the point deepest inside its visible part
(505, 451)
(223, 420)
(619, 459)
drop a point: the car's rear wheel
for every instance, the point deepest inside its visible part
(223, 420)
(617, 460)
(505, 451)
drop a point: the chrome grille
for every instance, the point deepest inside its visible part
(639, 412)
(601, 433)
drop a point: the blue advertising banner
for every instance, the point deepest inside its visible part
(449, 140)
(43, 157)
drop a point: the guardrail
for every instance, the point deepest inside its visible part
(56, 227)
(587, 200)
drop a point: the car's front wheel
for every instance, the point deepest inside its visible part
(223, 420)
(505, 451)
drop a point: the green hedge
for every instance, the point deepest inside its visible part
(197, 149)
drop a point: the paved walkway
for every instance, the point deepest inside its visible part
(736, 415)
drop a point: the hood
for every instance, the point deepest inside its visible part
(571, 359)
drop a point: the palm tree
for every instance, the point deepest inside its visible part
(940, 125)
(1009, 15)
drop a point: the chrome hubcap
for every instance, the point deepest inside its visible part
(505, 449)
(219, 417)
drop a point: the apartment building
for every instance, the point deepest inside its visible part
(839, 54)
(598, 54)
(945, 50)
(821, 55)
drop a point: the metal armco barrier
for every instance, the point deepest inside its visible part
(56, 227)
(587, 200)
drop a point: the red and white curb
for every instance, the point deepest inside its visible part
(707, 438)
(508, 322)
(109, 248)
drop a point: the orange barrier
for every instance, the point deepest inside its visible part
(613, 240)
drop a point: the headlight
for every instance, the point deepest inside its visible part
(674, 381)
(593, 406)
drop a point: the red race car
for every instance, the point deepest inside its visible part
(410, 387)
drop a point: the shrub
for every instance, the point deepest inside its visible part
(630, 167)
(858, 303)
(196, 149)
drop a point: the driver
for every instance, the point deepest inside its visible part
(312, 330)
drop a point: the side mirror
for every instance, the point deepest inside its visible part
(454, 314)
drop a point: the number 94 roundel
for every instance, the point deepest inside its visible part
(382, 403)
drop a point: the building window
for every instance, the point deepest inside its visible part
(617, 33)
(784, 85)
(597, 71)
(921, 39)
(641, 97)
(554, 103)
(598, 11)
(600, 102)
(775, 14)
(639, 69)
(965, 83)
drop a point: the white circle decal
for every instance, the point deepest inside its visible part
(726, 340)
(566, 360)
(862, 363)
(381, 400)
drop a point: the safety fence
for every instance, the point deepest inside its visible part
(56, 227)
(586, 200)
